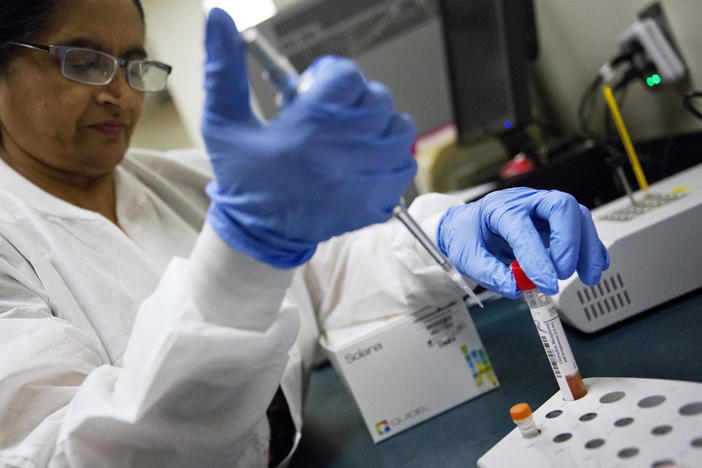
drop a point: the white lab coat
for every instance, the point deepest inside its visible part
(157, 344)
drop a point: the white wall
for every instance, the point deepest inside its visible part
(160, 127)
(174, 34)
(280, 4)
(576, 38)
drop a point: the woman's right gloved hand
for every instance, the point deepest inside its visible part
(337, 157)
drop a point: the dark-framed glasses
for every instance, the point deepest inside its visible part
(97, 68)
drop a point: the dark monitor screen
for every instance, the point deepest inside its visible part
(488, 44)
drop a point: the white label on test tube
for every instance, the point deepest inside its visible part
(556, 345)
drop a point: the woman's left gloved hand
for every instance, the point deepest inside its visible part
(548, 232)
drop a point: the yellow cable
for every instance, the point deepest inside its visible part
(624, 135)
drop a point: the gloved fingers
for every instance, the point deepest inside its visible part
(459, 235)
(378, 103)
(382, 188)
(377, 128)
(492, 274)
(594, 258)
(334, 80)
(562, 212)
(367, 155)
(377, 96)
(529, 250)
(226, 80)
(368, 118)
(401, 125)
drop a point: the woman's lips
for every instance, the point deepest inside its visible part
(109, 128)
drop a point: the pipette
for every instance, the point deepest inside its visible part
(277, 69)
(401, 213)
(285, 79)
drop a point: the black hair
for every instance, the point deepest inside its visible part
(21, 19)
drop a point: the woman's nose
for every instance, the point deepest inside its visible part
(118, 92)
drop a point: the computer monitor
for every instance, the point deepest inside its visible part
(488, 44)
(461, 61)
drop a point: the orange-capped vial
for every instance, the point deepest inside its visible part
(524, 419)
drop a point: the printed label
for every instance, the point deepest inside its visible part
(442, 325)
(555, 344)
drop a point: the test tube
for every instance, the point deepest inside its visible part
(552, 335)
(524, 419)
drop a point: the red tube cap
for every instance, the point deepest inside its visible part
(523, 283)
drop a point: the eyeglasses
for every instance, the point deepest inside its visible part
(97, 68)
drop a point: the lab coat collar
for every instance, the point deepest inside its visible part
(52, 206)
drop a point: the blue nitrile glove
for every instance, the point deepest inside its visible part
(337, 157)
(548, 232)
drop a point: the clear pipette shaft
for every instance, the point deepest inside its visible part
(401, 213)
(285, 79)
(277, 68)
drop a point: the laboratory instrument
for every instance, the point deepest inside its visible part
(622, 422)
(553, 337)
(655, 54)
(277, 69)
(654, 250)
(283, 76)
(401, 213)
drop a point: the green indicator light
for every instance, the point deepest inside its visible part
(653, 80)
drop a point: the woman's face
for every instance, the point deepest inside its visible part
(63, 128)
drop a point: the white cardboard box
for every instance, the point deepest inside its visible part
(405, 370)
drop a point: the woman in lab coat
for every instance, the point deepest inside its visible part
(146, 322)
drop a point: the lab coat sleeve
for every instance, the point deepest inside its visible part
(205, 356)
(379, 271)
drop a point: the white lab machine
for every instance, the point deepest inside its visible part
(655, 254)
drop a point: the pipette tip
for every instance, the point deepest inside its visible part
(458, 278)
